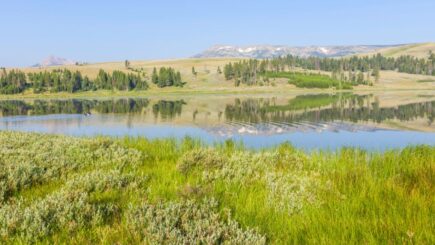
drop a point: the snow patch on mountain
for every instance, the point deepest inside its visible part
(269, 51)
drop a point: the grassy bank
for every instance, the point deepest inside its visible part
(168, 92)
(130, 190)
(192, 92)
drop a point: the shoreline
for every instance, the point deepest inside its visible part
(193, 92)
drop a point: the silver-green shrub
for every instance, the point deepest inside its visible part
(65, 209)
(289, 183)
(188, 223)
(99, 181)
(70, 208)
(29, 159)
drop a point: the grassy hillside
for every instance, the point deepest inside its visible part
(206, 68)
(57, 189)
(419, 50)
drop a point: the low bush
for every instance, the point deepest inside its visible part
(188, 223)
(32, 159)
(71, 208)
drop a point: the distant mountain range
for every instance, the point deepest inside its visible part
(268, 51)
(54, 61)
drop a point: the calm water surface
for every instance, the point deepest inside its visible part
(309, 121)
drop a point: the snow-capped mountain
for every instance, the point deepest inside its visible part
(268, 51)
(54, 61)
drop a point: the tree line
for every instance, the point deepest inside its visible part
(64, 80)
(254, 72)
(355, 70)
(405, 63)
(12, 82)
(166, 77)
(120, 81)
(58, 81)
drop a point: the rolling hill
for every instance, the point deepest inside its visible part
(419, 50)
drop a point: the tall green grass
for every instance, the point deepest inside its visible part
(310, 80)
(134, 190)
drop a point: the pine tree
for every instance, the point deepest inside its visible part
(154, 76)
(376, 74)
(360, 78)
(431, 56)
(228, 71)
(178, 81)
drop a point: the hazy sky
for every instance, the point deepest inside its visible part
(116, 30)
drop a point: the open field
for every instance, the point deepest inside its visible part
(57, 189)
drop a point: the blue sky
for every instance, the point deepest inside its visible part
(99, 30)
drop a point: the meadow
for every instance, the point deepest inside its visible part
(60, 189)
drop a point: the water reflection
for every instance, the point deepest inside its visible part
(73, 106)
(167, 109)
(259, 119)
(326, 108)
(303, 108)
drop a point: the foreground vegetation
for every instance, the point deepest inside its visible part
(62, 189)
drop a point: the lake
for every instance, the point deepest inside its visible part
(373, 121)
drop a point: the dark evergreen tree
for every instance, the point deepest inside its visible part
(103, 80)
(65, 80)
(154, 76)
(168, 77)
(376, 73)
(12, 82)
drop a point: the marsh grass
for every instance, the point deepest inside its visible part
(135, 190)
